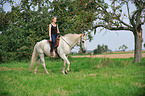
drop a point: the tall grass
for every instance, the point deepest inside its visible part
(87, 77)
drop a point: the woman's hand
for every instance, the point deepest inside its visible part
(50, 39)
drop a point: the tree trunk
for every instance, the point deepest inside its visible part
(138, 49)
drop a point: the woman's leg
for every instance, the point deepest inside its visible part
(53, 42)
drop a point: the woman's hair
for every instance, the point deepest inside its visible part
(53, 18)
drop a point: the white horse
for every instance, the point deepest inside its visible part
(66, 43)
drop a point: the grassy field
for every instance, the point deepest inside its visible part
(117, 52)
(87, 77)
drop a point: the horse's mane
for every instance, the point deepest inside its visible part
(69, 35)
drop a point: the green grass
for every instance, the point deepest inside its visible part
(87, 77)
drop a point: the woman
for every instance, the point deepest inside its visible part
(53, 31)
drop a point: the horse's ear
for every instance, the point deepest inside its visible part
(81, 35)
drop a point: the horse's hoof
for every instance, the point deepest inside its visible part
(66, 72)
(63, 72)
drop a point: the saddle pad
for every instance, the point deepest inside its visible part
(56, 43)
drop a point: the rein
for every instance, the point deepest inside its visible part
(69, 44)
(65, 41)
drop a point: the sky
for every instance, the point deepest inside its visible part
(114, 39)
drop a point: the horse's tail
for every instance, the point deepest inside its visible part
(34, 58)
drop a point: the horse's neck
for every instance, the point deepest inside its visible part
(72, 40)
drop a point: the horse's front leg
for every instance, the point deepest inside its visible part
(68, 64)
(67, 67)
(63, 70)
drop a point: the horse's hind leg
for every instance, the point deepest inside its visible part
(43, 62)
(39, 61)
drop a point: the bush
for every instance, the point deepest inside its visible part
(7, 56)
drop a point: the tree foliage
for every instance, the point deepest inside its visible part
(100, 49)
(22, 28)
(114, 19)
(123, 47)
(74, 16)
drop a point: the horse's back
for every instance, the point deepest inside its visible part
(44, 41)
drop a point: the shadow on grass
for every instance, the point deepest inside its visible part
(5, 93)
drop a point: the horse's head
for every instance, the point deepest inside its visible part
(82, 42)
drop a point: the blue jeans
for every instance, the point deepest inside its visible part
(53, 37)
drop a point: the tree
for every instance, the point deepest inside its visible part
(123, 47)
(100, 49)
(22, 28)
(74, 16)
(112, 17)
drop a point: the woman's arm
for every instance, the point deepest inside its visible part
(50, 31)
(57, 29)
